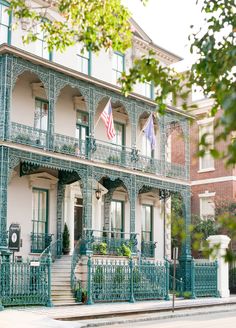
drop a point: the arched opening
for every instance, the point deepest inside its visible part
(175, 150)
(71, 122)
(30, 111)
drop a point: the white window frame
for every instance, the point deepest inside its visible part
(207, 195)
(204, 123)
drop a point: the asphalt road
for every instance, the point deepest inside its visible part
(216, 320)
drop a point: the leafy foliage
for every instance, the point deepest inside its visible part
(95, 23)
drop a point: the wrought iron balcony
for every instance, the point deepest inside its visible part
(40, 241)
(97, 150)
(148, 248)
(28, 135)
(102, 242)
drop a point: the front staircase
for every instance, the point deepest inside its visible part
(61, 288)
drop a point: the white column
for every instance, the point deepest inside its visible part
(221, 242)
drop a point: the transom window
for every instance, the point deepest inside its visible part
(41, 115)
(84, 62)
(146, 223)
(4, 23)
(117, 213)
(118, 66)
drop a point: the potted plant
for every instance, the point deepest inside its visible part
(66, 240)
(84, 295)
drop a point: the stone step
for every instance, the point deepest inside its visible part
(57, 295)
(63, 297)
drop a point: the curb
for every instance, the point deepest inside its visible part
(155, 318)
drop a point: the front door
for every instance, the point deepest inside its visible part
(78, 214)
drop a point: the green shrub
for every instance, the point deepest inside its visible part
(187, 294)
(66, 239)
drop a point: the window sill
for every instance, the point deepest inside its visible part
(206, 170)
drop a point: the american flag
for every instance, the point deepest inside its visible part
(107, 117)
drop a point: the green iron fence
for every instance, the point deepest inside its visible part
(179, 285)
(127, 280)
(75, 283)
(232, 277)
(205, 279)
(25, 283)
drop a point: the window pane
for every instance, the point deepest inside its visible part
(3, 34)
(4, 15)
(120, 60)
(146, 146)
(41, 115)
(82, 118)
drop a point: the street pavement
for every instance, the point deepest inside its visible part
(111, 313)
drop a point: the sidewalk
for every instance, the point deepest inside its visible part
(35, 317)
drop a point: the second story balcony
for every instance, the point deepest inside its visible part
(71, 124)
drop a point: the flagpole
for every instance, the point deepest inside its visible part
(96, 124)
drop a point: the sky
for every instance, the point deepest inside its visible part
(167, 22)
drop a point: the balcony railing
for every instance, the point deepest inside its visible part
(40, 241)
(175, 170)
(102, 242)
(148, 248)
(28, 135)
(96, 150)
(70, 146)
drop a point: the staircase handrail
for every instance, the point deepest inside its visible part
(53, 248)
(76, 286)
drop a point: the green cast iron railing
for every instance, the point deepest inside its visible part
(232, 277)
(104, 242)
(40, 241)
(148, 248)
(70, 146)
(54, 248)
(25, 283)
(205, 279)
(28, 135)
(175, 170)
(127, 280)
(75, 283)
(95, 149)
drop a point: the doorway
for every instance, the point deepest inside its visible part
(78, 215)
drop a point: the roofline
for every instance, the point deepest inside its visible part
(154, 45)
(6, 49)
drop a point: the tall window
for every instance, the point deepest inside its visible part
(118, 66)
(4, 23)
(117, 212)
(41, 46)
(119, 138)
(146, 223)
(39, 220)
(146, 147)
(207, 162)
(147, 89)
(82, 126)
(41, 115)
(207, 207)
(84, 62)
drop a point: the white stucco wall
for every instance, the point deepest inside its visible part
(20, 208)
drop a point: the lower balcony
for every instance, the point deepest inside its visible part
(40, 241)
